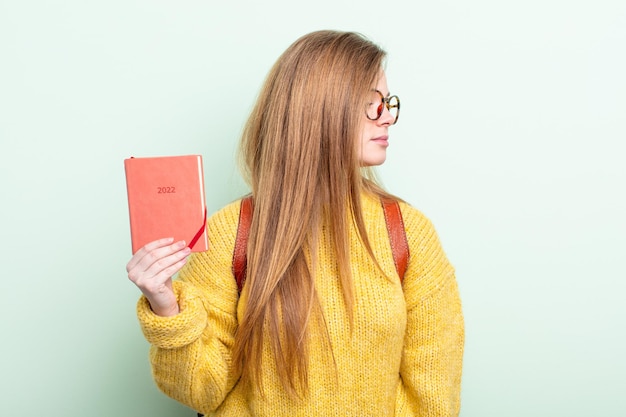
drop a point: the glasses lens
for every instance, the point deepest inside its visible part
(394, 107)
(375, 105)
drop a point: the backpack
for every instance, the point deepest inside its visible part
(393, 221)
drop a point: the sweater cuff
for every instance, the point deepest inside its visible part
(175, 331)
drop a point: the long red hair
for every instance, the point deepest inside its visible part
(300, 155)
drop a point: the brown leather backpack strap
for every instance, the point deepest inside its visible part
(393, 220)
(240, 260)
(397, 235)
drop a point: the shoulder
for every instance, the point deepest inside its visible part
(429, 267)
(421, 235)
(418, 228)
(415, 221)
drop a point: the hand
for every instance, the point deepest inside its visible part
(151, 269)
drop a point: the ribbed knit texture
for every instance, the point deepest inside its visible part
(402, 358)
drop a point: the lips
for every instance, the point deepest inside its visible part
(382, 140)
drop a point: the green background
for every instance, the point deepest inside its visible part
(511, 139)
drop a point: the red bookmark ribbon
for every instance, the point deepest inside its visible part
(200, 232)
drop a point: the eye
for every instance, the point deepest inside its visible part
(375, 105)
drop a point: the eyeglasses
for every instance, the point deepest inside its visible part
(376, 104)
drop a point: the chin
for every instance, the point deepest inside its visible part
(372, 162)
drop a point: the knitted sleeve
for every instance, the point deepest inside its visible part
(190, 353)
(433, 347)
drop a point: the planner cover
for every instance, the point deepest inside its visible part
(166, 199)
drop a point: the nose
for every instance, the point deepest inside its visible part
(386, 118)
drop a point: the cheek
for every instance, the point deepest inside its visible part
(372, 154)
(363, 141)
(366, 133)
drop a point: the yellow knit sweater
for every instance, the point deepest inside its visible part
(402, 358)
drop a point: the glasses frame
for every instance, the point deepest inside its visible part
(386, 102)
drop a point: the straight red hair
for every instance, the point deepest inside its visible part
(300, 155)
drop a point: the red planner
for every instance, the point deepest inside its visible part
(166, 199)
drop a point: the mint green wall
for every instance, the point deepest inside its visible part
(511, 139)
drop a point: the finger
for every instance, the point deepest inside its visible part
(166, 266)
(141, 253)
(158, 265)
(160, 276)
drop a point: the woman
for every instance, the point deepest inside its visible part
(324, 326)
